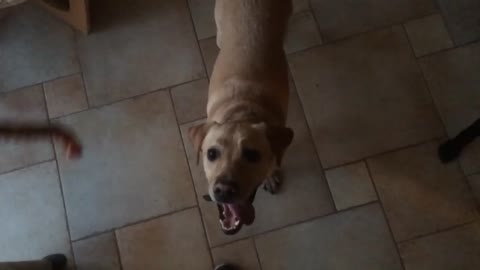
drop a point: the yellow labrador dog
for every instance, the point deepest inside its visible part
(244, 138)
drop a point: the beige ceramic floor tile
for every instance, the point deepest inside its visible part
(351, 185)
(97, 253)
(34, 47)
(342, 18)
(65, 96)
(33, 218)
(475, 183)
(428, 35)
(209, 52)
(364, 96)
(302, 32)
(169, 243)
(419, 193)
(241, 254)
(24, 105)
(203, 17)
(133, 166)
(355, 239)
(190, 100)
(304, 194)
(138, 47)
(454, 82)
(301, 5)
(462, 17)
(455, 249)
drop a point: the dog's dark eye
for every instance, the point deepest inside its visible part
(212, 154)
(251, 155)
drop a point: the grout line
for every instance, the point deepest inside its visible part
(412, 145)
(199, 48)
(357, 34)
(450, 49)
(97, 107)
(192, 121)
(40, 83)
(28, 166)
(256, 253)
(59, 179)
(472, 173)
(117, 247)
(385, 215)
(192, 181)
(181, 137)
(67, 223)
(451, 228)
(236, 240)
(310, 135)
(447, 27)
(425, 82)
(98, 233)
(304, 221)
(303, 13)
(317, 24)
(76, 45)
(85, 92)
(45, 104)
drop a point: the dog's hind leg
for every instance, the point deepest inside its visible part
(452, 148)
(274, 182)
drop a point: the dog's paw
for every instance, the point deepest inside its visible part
(448, 152)
(273, 183)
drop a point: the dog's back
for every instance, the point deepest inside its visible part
(258, 24)
(251, 63)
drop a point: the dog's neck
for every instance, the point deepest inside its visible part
(245, 101)
(249, 111)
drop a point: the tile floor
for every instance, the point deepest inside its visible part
(376, 86)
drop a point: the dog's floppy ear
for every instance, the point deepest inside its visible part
(280, 138)
(197, 134)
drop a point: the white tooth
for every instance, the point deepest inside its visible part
(237, 222)
(224, 227)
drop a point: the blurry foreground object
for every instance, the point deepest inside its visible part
(51, 262)
(222, 267)
(74, 12)
(452, 148)
(9, 3)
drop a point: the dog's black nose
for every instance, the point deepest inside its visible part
(224, 192)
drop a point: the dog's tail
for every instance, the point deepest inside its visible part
(11, 131)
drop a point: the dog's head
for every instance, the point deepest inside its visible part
(237, 158)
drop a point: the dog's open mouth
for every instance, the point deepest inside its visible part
(233, 216)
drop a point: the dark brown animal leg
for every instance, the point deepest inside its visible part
(451, 149)
(34, 132)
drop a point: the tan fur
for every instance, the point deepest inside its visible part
(248, 93)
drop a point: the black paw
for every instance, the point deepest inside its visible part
(58, 261)
(448, 152)
(273, 183)
(226, 267)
